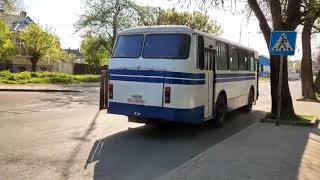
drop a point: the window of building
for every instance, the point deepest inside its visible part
(233, 58)
(222, 56)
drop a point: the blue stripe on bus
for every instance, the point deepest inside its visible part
(136, 72)
(137, 79)
(222, 80)
(157, 73)
(234, 75)
(194, 115)
(157, 80)
(185, 75)
(184, 81)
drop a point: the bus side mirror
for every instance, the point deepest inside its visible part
(200, 52)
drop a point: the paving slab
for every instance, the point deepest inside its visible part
(262, 151)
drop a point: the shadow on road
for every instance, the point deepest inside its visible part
(76, 150)
(147, 152)
(69, 99)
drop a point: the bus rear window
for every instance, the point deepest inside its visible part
(167, 46)
(128, 46)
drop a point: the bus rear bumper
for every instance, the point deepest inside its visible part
(192, 116)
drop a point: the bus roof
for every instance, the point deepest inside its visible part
(179, 29)
(158, 29)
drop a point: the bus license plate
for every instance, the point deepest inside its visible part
(136, 100)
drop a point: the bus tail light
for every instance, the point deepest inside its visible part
(167, 94)
(110, 91)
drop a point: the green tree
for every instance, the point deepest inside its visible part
(107, 17)
(10, 6)
(55, 53)
(95, 51)
(148, 16)
(297, 66)
(310, 13)
(7, 48)
(195, 20)
(39, 43)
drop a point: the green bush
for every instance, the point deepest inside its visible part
(7, 77)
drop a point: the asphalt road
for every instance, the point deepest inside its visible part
(63, 136)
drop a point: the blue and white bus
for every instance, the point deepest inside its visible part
(179, 74)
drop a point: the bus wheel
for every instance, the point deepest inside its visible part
(221, 106)
(248, 107)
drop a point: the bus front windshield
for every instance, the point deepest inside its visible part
(159, 46)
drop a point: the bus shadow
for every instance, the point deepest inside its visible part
(147, 152)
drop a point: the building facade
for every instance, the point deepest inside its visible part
(21, 62)
(264, 66)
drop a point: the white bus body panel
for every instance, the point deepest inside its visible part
(190, 102)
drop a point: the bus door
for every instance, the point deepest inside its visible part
(209, 59)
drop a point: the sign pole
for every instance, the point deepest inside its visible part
(279, 91)
(282, 43)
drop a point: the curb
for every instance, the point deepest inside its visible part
(293, 123)
(307, 100)
(40, 90)
(264, 81)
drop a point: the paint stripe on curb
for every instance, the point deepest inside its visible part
(40, 90)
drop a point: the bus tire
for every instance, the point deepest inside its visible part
(248, 107)
(220, 111)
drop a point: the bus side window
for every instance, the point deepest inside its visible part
(251, 63)
(222, 56)
(243, 60)
(200, 52)
(233, 58)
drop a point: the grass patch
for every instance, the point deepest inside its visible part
(297, 120)
(264, 79)
(317, 100)
(44, 77)
(297, 117)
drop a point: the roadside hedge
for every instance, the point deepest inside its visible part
(44, 77)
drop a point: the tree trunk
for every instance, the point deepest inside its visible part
(115, 22)
(293, 19)
(317, 83)
(306, 64)
(34, 61)
(287, 109)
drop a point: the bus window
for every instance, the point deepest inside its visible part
(233, 58)
(128, 46)
(222, 56)
(209, 59)
(167, 46)
(200, 53)
(243, 60)
(251, 61)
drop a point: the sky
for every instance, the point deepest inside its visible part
(60, 15)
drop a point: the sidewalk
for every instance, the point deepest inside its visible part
(262, 151)
(78, 87)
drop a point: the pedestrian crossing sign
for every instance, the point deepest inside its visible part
(282, 42)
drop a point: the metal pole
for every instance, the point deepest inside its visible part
(102, 89)
(279, 91)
